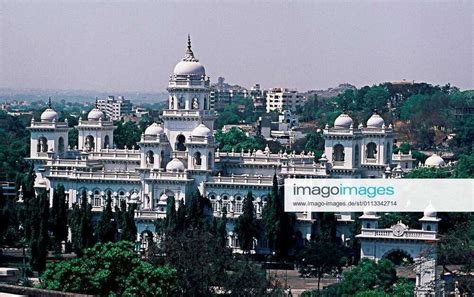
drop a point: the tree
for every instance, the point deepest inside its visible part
(127, 226)
(222, 228)
(462, 143)
(367, 276)
(39, 235)
(58, 220)
(80, 221)
(235, 139)
(106, 228)
(246, 227)
(376, 98)
(196, 211)
(110, 269)
(127, 134)
(3, 216)
(464, 167)
(319, 258)
(277, 223)
(29, 202)
(171, 213)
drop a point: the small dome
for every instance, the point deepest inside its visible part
(134, 196)
(95, 114)
(202, 131)
(175, 165)
(375, 121)
(434, 161)
(49, 115)
(154, 129)
(343, 121)
(430, 212)
(189, 68)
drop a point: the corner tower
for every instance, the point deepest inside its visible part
(188, 103)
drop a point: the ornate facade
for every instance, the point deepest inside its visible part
(181, 155)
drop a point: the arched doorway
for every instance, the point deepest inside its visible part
(89, 145)
(60, 145)
(106, 141)
(42, 146)
(180, 140)
(338, 153)
(150, 159)
(197, 160)
(371, 150)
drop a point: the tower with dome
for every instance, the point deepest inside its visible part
(180, 155)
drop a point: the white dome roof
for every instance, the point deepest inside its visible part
(175, 165)
(375, 121)
(343, 121)
(189, 68)
(430, 211)
(202, 131)
(49, 115)
(434, 161)
(154, 129)
(95, 114)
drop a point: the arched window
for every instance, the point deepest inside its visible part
(238, 204)
(356, 155)
(197, 159)
(428, 228)
(42, 145)
(90, 145)
(368, 226)
(180, 140)
(226, 203)
(212, 198)
(106, 141)
(61, 145)
(371, 150)
(150, 159)
(96, 201)
(338, 153)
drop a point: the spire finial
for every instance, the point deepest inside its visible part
(96, 102)
(49, 102)
(189, 52)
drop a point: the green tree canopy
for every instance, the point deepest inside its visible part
(110, 269)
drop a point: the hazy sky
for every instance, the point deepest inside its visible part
(134, 45)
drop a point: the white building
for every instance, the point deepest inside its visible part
(280, 99)
(115, 108)
(180, 156)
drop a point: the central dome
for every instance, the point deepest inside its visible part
(189, 68)
(189, 65)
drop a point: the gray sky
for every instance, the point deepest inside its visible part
(113, 46)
